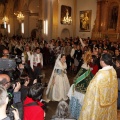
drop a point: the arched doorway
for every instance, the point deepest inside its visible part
(33, 33)
(65, 33)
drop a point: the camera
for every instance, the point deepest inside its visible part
(7, 64)
(16, 77)
(10, 113)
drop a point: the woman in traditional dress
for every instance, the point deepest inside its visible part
(78, 89)
(58, 86)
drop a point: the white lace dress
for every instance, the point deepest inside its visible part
(61, 85)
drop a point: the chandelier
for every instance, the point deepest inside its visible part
(5, 19)
(20, 16)
(67, 19)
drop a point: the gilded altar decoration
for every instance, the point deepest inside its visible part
(113, 16)
(85, 20)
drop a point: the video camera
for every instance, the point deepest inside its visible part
(7, 64)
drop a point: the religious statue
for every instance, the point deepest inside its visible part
(84, 21)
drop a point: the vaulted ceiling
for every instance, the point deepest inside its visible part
(8, 7)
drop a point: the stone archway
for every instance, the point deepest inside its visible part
(65, 33)
(34, 33)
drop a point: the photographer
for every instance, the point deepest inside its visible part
(3, 105)
(14, 93)
(2, 46)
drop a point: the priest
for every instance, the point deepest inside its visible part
(100, 102)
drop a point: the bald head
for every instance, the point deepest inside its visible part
(5, 80)
(4, 76)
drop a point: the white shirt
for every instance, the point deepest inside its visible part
(72, 52)
(37, 58)
(29, 58)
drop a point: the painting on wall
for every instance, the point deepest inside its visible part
(85, 20)
(66, 15)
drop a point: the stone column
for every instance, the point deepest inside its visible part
(12, 25)
(104, 16)
(98, 15)
(74, 18)
(118, 21)
(55, 19)
(26, 24)
(40, 9)
(45, 12)
(17, 29)
(50, 19)
(40, 19)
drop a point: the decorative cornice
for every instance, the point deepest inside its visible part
(34, 14)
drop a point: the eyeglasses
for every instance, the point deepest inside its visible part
(7, 82)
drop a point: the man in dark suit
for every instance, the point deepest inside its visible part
(2, 47)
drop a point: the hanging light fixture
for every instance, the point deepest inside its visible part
(46, 27)
(5, 21)
(67, 19)
(20, 16)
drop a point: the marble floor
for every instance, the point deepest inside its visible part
(53, 105)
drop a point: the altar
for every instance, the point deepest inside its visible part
(107, 23)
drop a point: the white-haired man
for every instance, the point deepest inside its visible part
(3, 105)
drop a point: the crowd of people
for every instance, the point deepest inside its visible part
(94, 94)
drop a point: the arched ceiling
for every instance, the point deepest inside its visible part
(9, 7)
(21, 5)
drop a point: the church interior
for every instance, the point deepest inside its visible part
(60, 18)
(96, 20)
